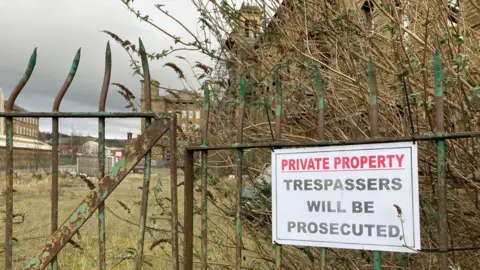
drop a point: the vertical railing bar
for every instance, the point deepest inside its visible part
(54, 192)
(441, 151)
(204, 206)
(188, 212)
(147, 169)
(372, 85)
(9, 160)
(320, 89)
(173, 190)
(278, 137)
(377, 260)
(278, 113)
(239, 176)
(9, 195)
(321, 104)
(101, 155)
(55, 148)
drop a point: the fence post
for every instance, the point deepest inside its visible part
(188, 212)
(320, 88)
(204, 153)
(441, 149)
(147, 170)
(55, 149)
(278, 137)
(101, 155)
(372, 85)
(239, 175)
(173, 189)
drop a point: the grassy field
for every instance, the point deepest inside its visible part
(32, 198)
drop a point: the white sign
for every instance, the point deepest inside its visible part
(355, 197)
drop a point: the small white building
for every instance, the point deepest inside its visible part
(90, 148)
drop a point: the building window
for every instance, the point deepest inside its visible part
(197, 114)
(184, 114)
(247, 28)
(190, 114)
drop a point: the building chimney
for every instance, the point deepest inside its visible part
(129, 135)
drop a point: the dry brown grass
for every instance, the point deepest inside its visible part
(32, 199)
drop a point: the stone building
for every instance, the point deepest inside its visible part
(29, 152)
(24, 127)
(186, 105)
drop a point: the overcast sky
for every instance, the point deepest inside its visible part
(58, 28)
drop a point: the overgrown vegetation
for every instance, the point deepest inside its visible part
(338, 38)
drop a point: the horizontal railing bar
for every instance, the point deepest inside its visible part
(428, 137)
(85, 114)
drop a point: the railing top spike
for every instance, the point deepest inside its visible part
(146, 76)
(106, 78)
(143, 55)
(23, 81)
(68, 81)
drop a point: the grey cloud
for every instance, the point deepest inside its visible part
(59, 30)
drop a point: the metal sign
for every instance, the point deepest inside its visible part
(356, 197)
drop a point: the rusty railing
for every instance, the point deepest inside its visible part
(154, 130)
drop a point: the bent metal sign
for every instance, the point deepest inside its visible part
(356, 197)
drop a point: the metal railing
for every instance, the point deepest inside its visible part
(154, 130)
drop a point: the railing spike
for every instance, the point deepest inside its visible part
(68, 81)
(23, 81)
(106, 78)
